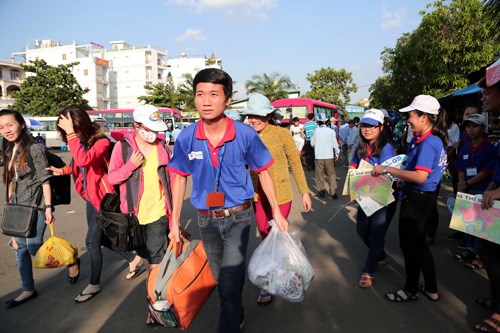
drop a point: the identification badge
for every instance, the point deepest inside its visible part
(471, 172)
(215, 199)
(466, 157)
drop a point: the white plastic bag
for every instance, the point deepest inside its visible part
(280, 266)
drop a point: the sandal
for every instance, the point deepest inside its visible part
(475, 264)
(489, 325)
(366, 281)
(464, 255)
(485, 303)
(428, 294)
(264, 298)
(86, 297)
(136, 272)
(401, 296)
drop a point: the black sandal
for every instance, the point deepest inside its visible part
(401, 296)
(485, 303)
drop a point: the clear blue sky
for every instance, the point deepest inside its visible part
(250, 36)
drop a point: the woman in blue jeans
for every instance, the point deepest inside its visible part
(90, 150)
(375, 148)
(26, 186)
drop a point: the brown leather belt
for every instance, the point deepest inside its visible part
(225, 212)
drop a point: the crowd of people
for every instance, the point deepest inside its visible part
(240, 176)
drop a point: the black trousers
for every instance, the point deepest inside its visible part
(415, 210)
(489, 253)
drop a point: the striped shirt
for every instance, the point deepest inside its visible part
(309, 128)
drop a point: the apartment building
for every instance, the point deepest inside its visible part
(92, 71)
(131, 69)
(116, 76)
(11, 77)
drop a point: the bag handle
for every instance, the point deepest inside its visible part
(130, 206)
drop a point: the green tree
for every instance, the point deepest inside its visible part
(492, 10)
(161, 94)
(273, 86)
(453, 40)
(185, 91)
(51, 88)
(331, 86)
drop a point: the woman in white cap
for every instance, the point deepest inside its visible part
(375, 148)
(282, 147)
(150, 183)
(475, 169)
(425, 166)
(90, 149)
(489, 251)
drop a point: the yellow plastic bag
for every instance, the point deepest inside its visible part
(55, 252)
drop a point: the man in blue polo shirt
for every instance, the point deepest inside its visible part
(309, 127)
(216, 152)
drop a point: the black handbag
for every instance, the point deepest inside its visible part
(19, 220)
(122, 229)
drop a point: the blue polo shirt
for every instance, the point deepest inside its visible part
(496, 173)
(386, 153)
(427, 153)
(479, 159)
(309, 129)
(240, 147)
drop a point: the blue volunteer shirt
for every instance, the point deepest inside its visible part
(472, 160)
(427, 153)
(387, 152)
(241, 146)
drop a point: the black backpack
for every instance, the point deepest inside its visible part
(60, 185)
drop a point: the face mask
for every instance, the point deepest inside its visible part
(147, 136)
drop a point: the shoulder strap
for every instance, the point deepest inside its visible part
(125, 149)
(167, 188)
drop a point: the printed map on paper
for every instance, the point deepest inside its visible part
(468, 217)
(364, 184)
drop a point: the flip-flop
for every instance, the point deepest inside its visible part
(262, 296)
(401, 296)
(475, 265)
(427, 294)
(136, 272)
(90, 296)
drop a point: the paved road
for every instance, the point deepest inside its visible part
(334, 302)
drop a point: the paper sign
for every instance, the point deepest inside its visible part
(469, 217)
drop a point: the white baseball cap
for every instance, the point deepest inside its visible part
(424, 103)
(149, 116)
(372, 117)
(476, 118)
(321, 117)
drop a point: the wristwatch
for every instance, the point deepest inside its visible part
(49, 206)
(384, 170)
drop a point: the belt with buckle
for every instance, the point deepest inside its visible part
(226, 212)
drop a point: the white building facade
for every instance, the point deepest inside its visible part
(91, 72)
(11, 77)
(116, 77)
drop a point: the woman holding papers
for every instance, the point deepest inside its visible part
(374, 147)
(425, 166)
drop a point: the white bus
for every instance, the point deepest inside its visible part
(49, 131)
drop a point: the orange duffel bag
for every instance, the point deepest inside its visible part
(180, 285)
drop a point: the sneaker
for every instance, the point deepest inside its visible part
(455, 236)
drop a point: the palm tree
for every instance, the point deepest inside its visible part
(492, 9)
(273, 86)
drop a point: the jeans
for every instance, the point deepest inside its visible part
(93, 244)
(413, 216)
(27, 247)
(372, 232)
(225, 241)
